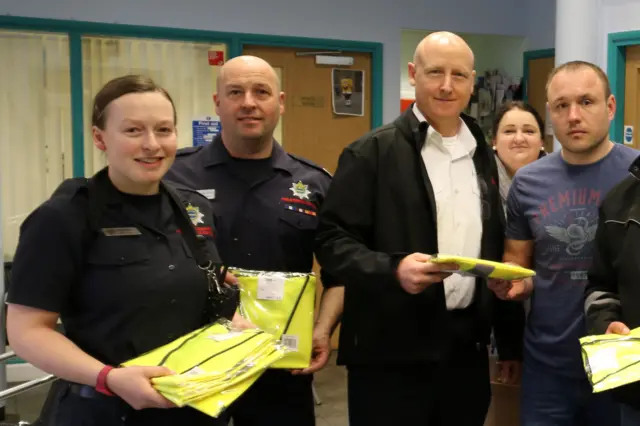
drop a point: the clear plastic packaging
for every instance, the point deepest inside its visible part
(611, 360)
(283, 304)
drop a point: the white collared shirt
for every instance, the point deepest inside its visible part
(449, 164)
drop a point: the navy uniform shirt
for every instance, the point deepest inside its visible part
(265, 210)
(130, 286)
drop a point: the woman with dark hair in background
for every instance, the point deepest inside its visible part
(517, 141)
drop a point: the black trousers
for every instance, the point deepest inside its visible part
(456, 392)
(75, 410)
(277, 398)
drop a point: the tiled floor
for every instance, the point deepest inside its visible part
(330, 383)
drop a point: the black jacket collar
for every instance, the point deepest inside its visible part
(415, 131)
(634, 169)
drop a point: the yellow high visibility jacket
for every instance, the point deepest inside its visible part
(214, 365)
(281, 303)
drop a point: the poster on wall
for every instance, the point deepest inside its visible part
(205, 129)
(548, 126)
(215, 57)
(347, 91)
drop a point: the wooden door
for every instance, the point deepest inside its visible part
(309, 126)
(632, 97)
(539, 70)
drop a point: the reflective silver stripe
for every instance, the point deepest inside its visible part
(610, 300)
(601, 298)
(594, 296)
(621, 222)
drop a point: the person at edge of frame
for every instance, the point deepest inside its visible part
(109, 257)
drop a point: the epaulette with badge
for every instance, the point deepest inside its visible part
(70, 187)
(310, 163)
(205, 193)
(183, 152)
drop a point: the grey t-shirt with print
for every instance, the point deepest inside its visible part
(555, 204)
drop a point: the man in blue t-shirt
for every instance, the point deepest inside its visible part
(552, 216)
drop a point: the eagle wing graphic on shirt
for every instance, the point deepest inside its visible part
(575, 236)
(558, 233)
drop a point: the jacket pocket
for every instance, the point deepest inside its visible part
(296, 232)
(118, 251)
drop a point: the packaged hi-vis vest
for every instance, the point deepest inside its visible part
(214, 365)
(282, 304)
(611, 360)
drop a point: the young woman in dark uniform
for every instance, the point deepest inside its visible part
(110, 258)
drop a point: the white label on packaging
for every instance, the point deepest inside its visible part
(225, 336)
(290, 341)
(604, 359)
(270, 287)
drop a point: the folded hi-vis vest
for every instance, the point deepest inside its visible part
(282, 304)
(214, 365)
(483, 268)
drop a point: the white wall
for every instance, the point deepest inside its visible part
(617, 16)
(620, 15)
(490, 51)
(340, 19)
(539, 20)
(614, 16)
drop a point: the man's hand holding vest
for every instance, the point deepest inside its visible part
(416, 272)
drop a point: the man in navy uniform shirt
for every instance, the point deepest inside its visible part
(265, 203)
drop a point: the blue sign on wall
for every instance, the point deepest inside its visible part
(205, 130)
(628, 135)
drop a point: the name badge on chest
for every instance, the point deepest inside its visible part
(209, 194)
(128, 231)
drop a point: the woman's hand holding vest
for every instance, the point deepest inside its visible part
(133, 385)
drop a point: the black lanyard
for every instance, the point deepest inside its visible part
(219, 296)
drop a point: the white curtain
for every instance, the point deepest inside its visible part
(35, 129)
(182, 68)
